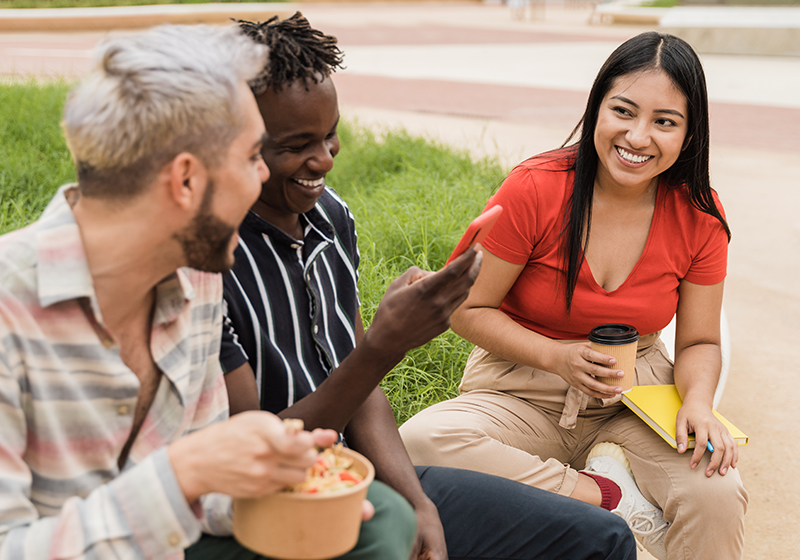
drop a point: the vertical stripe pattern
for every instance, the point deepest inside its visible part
(291, 288)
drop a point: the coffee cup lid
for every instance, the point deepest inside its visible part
(614, 334)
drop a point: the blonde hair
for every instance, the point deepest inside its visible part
(153, 95)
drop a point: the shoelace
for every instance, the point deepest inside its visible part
(643, 524)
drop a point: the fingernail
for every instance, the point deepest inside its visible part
(723, 470)
(693, 465)
(681, 447)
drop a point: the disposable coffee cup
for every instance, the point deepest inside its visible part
(620, 341)
(298, 526)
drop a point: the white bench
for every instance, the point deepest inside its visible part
(626, 13)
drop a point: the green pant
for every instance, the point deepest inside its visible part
(389, 535)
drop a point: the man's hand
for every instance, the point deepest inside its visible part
(248, 456)
(430, 543)
(417, 306)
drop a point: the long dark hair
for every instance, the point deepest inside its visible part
(648, 51)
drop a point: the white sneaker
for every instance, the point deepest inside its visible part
(645, 520)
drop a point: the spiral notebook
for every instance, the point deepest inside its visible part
(658, 406)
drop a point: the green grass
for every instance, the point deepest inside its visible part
(99, 3)
(34, 159)
(660, 3)
(412, 200)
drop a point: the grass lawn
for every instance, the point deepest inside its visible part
(412, 200)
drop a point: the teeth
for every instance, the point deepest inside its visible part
(315, 183)
(627, 156)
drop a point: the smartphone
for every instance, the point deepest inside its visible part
(477, 231)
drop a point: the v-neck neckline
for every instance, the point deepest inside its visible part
(660, 190)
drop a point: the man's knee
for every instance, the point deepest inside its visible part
(618, 542)
(390, 534)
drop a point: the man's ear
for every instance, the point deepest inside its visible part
(188, 179)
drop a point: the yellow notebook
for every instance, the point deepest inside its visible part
(658, 406)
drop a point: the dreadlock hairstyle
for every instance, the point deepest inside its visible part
(648, 51)
(296, 51)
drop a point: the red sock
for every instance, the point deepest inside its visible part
(610, 491)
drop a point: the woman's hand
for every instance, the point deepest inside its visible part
(698, 418)
(577, 363)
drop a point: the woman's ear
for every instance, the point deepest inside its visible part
(686, 141)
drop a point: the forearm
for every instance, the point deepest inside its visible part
(697, 370)
(496, 332)
(339, 397)
(373, 432)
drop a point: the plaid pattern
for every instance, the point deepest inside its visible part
(67, 403)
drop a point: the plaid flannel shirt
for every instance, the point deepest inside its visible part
(67, 403)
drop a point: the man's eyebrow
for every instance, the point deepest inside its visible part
(667, 111)
(261, 141)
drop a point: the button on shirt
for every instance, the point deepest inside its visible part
(67, 401)
(291, 304)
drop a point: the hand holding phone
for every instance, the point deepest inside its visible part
(477, 231)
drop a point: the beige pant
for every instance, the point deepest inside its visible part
(530, 425)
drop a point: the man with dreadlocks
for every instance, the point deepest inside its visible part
(294, 342)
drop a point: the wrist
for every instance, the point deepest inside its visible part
(381, 356)
(422, 503)
(183, 462)
(696, 400)
(550, 356)
(696, 394)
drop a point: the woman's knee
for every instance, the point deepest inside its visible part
(429, 438)
(717, 499)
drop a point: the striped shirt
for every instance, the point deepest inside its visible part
(67, 403)
(291, 304)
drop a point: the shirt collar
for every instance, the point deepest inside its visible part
(173, 294)
(315, 217)
(63, 271)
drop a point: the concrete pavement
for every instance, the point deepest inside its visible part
(470, 76)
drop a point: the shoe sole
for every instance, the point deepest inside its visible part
(611, 450)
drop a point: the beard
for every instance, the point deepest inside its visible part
(206, 240)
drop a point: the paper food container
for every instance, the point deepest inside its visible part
(299, 526)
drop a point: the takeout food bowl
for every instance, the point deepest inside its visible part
(298, 526)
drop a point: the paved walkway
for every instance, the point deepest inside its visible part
(470, 76)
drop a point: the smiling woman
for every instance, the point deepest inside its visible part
(620, 227)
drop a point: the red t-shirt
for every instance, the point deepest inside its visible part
(684, 243)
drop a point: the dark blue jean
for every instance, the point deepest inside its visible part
(488, 517)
